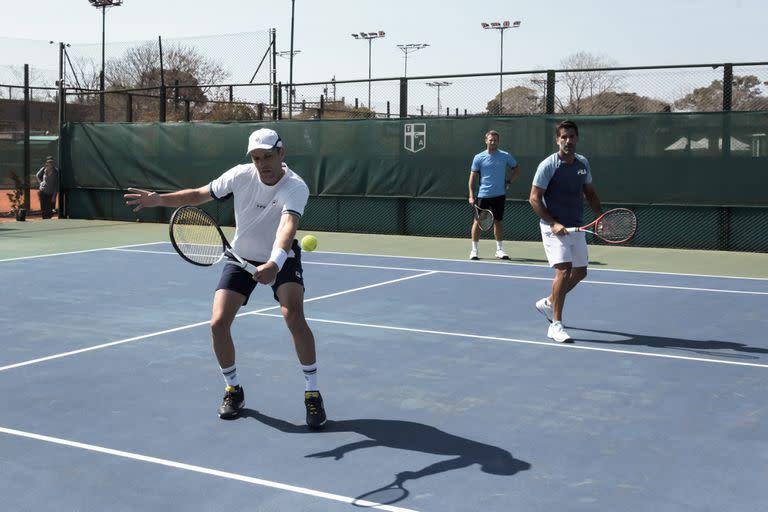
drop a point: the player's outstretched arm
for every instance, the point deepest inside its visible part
(147, 199)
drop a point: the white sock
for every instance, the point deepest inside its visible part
(230, 376)
(474, 246)
(498, 246)
(310, 377)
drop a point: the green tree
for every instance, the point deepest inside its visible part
(516, 100)
(746, 95)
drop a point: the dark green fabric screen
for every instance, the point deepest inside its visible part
(641, 159)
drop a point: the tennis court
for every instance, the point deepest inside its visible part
(436, 372)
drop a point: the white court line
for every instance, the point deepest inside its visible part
(548, 279)
(541, 266)
(126, 249)
(198, 324)
(506, 276)
(117, 248)
(527, 342)
(203, 470)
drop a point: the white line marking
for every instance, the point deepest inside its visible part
(190, 326)
(203, 470)
(506, 276)
(78, 252)
(528, 342)
(549, 279)
(591, 269)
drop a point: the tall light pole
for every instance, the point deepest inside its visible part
(438, 85)
(291, 90)
(370, 36)
(103, 4)
(410, 48)
(290, 72)
(501, 27)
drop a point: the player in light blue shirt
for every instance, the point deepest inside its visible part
(490, 167)
(560, 184)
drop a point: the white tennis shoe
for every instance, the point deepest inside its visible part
(557, 333)
(545, 309)
(473, 254)
(501, 255)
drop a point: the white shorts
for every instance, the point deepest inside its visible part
(570, 248)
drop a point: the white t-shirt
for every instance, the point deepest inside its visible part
(259, 207)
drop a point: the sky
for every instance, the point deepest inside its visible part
(648, 33)
(652, 32)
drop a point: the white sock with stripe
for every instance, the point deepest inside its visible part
(230, 376)
(310, 377)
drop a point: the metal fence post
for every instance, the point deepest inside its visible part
(162, 103)
(727, 87)
(27, 122)
(727, 104)
(279, 97)
(403, 97)
(550, 101)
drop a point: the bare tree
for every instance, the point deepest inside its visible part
(187, 74)
(584, 76)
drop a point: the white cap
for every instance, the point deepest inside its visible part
(264, 138)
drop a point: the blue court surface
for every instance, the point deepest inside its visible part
(442, 390)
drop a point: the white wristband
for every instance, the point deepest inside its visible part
(278, 256)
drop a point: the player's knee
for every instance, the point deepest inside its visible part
(219, 326)
(294, 317)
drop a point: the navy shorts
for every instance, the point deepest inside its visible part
(495, 204)
(238, 280)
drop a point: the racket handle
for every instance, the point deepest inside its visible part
(248, 267)
(572, 230)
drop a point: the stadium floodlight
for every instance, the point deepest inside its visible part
(501, 27)
(369, 36)
(103, 5)
(438, 85)
(410, 48)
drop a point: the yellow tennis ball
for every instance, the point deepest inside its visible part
(309, 243)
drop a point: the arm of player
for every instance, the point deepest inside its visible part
(146, 199)
(472, 180)
(286, 232)
(536, 199)
(515, 174)
(592, 199)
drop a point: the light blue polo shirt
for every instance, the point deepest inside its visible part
(564, 187)
(492, 169)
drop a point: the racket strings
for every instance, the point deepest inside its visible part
(484, 218)
(617, 226)
(197, 237)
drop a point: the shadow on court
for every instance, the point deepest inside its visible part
(406, 435)
(708, 347)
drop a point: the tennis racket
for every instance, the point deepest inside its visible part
(386, 495)
(484, 217)
(614, 226)
(199, 240)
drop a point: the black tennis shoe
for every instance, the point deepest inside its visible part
(234, 400)
(315, 410)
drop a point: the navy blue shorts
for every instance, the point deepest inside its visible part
(238, 280)
(495, 204)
